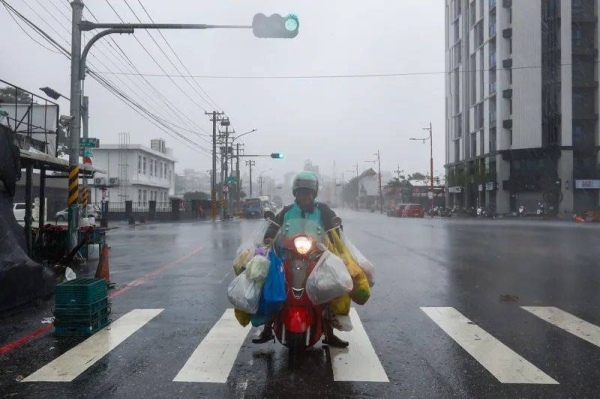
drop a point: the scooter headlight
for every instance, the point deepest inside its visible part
(302, 244)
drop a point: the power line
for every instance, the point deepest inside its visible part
(349, 76)
(101, 80)
(27, 33)
(179, 59)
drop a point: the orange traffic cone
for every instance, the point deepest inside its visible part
(103, 271)
(579, 219)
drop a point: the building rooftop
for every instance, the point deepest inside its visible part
(138, 147)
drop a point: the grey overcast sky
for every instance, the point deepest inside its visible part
(344, 120)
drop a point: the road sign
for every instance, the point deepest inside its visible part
(430, 195)
(89, 142)
(86, 152)
(232, 179)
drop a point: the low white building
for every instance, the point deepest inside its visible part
(134, 173)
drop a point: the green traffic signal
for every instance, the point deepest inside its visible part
(275, 26)
(277, 155)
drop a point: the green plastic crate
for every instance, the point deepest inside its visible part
(81, 310)
(81, 291)
(81, 321)
(81, 331)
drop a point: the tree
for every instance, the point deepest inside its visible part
(8, 95)
(350, 190)
(417, 176)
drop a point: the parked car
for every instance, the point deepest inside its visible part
(92, 210)
(19, 211)
(396, 211)
(413, 211)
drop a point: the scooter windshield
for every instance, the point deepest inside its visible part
(290, 234)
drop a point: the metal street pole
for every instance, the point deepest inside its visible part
(380, 188)
(430, 138)
(75, 126)
(238, 183)
(250, 164)
(357, 188)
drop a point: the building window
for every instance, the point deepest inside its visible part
(478, 116)
(139, 195)
(456, 31)
(151, 161)
(481, 73)
(472, 14)
(473, 83)
(155, 167)
(145, 197)
(139, 164)
(144, 164)
(456, 150)
(510, 137)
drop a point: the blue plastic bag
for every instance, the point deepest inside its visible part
(274, 290)
(273, 294)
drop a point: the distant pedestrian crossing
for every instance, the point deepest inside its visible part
(217, 352)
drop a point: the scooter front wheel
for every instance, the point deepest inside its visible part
(296, 342)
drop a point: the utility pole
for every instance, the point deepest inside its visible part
(398, 172)
(250, 164)
(378, 154)
(357, 188)
(260, 185)
(215, 117)
(75, 125)
(430, 138)
(238, 183)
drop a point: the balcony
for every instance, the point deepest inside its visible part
(492, 30)
(493, 88)
(493, 60)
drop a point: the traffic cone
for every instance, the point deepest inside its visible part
(103, 270)
(579, 219)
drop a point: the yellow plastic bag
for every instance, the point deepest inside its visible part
(353, 268)
(340, 305)
(362, 291)
(242, 317)
(239, 264)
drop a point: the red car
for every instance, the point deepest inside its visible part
(413, 211)
(396, 211)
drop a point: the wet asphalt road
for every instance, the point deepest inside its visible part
(486, 270)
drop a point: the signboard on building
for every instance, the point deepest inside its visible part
(480, 187)
(587, 184)
(489, 186)
(455, 190)
(89, 142)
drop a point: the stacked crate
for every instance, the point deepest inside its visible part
(81, 307)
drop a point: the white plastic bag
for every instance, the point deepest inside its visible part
(328, 280)
(257, 268)
(244, 293)
(360, 259)
(245, 252)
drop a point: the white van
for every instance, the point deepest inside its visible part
(19, 211)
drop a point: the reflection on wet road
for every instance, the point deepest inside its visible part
(460, 308)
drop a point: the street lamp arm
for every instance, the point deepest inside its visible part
(87, 26)
(243, 134)
(91, 43)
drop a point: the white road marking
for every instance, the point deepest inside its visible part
(213, 359)
(501, 361)
(358, 362)
(74, 362)
(561, 319)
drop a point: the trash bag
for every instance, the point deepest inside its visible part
(258, 268)
(265, 311)
(341, 323)
(340, 305)
(328, 280)
(242, 317)
(361, 291)
(275, 291)
(244, 293)
(247, 250)
(360, 259)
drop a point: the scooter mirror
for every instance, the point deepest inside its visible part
(336, 221)
(268, 215)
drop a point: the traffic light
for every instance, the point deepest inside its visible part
(277, 155)
(275, 26)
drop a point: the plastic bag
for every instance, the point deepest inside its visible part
(361, 291)
(258, 268)
(275, 291)
(362, 261)
(340, 305)
(244, 293)
(341, 323)
(328, 280)
(242, 317)
(246, 251)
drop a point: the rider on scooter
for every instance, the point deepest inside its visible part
(305, 190)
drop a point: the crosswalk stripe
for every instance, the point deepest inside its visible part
(213, 359)
(75, 361)
(358, 362)
(561, 319)
(501, 361)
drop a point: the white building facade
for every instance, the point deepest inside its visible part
(522, 104)
(134, 173)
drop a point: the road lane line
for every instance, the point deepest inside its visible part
(572, 324)
(213, 359)
(75, 361)
(358, 362)
(501, 361)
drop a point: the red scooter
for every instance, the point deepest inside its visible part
(299, 324)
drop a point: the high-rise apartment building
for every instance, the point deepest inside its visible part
(522, 104)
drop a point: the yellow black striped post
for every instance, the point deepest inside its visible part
(85, 197)
(213, 196)
(73, 185)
